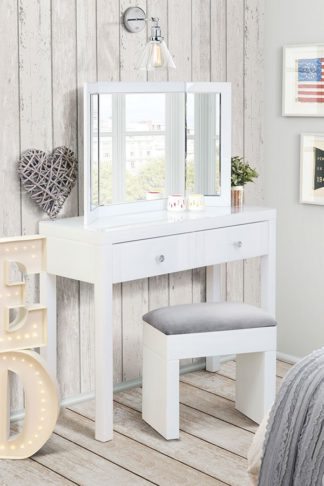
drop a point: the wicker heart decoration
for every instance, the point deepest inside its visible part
(48, 177)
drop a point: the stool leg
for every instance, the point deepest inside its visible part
(160, 399)
(214, 294)
(255, 383)
(213, 363)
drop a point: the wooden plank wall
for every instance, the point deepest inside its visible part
(48, 49)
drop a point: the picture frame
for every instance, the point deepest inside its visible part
(312, 168)
(303, 80)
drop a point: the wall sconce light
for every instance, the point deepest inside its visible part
(155, 55)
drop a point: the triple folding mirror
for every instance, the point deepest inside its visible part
(144, 141)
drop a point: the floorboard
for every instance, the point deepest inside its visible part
(201, 425)
(212, 449)
(80, 465)
(198, 454)
(228, 369)
(21, 473)
(129, 454)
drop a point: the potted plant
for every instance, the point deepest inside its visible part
(242, 173)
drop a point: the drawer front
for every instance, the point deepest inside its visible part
(154, 256)
(232, 243)
(168, 254)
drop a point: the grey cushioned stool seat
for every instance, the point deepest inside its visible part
(207, 317)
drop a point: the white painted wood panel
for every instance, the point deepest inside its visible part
(86, 56)
(9, 123)
(35, 92)
(10, 215)
(201, 40)
(180, 39)
(134, 294)
(65, 131)
(50, 49)
(253, 129)
(235, 74)
(35, 89)
(218, 72)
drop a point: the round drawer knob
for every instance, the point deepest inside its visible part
(160, 258)
(238, 244)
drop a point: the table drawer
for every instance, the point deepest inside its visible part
(231, 243)
(168, 254)
(154, 256)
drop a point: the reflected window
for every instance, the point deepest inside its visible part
(128, 147)
(145, 145)
(141, 141)
(203, 143)
(101, 149)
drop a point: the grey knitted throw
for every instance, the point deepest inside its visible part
(293, 453)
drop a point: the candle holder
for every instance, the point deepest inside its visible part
(176, 203)
(196, 202)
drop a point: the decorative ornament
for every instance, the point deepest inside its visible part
(176, 203)
(23, 327)
(48, 178)
(196, 202)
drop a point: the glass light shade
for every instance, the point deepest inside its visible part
(155, 55)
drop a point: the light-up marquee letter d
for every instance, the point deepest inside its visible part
(23, 327)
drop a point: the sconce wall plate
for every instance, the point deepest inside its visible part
(134, 19)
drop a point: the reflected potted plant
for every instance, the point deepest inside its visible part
(242, 173)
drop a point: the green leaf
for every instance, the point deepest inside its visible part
(242, 172)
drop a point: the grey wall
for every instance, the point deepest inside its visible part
(300, 294)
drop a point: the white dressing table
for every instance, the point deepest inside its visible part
(128, 247)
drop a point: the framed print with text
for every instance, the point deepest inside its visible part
(312, 168)
(303, 80)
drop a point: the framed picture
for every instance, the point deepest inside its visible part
(312, 168)
(303, 80)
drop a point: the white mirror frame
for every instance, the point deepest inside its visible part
(224, 89)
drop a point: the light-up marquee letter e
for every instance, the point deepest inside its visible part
(23, 327)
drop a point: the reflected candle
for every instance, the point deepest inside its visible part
(151, 195)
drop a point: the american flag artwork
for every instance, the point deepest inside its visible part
(310, 80)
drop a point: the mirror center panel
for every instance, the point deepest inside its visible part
(145, 146)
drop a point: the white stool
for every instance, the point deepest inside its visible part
(209, 329)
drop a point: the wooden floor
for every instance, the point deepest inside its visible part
(211, 451)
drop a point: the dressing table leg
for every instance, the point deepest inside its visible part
(48, 299)
(213, 294)
(103, 345)
(268, 273)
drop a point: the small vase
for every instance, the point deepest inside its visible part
(237, 195)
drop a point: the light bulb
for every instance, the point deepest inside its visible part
(156, 56)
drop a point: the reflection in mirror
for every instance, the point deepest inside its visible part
(203, 144)
(145, 145)
(94, 103)
(141, 141)
(128, 147)
(101, 149)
